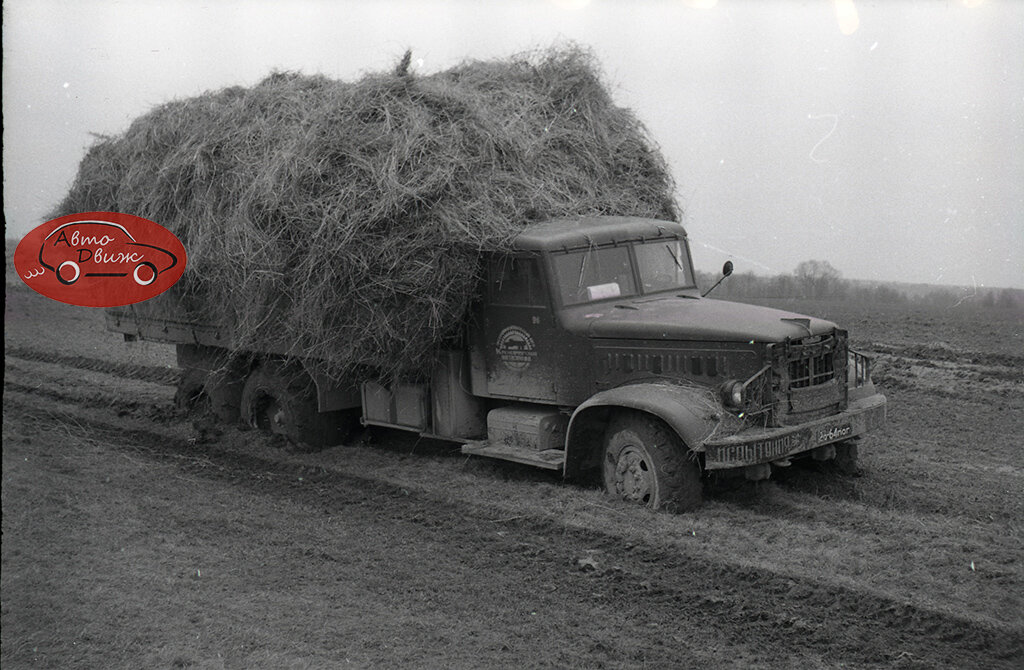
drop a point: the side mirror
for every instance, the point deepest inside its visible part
(726, 271)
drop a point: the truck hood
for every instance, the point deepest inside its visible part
(697, 319)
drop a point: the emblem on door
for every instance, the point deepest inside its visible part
(515, 348)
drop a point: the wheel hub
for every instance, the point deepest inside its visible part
(634, 479)
(270, 415)
(278, 418)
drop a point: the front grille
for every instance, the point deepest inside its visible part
(811, 380)
(812, 371)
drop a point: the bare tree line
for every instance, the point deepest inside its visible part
(814, 279)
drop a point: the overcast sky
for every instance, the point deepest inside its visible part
(884, 137)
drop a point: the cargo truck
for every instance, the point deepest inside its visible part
(589, 350)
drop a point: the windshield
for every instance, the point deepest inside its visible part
(594, 274)
(598, 274)
(663, 266)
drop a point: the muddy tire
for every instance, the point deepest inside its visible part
(191, 393)
(645, 462)
(201, 390)
(224, 390)
(211, 378)
(281, 399)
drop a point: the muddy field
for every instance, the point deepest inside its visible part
(137, 536)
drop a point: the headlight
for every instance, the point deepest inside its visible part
(732, 394)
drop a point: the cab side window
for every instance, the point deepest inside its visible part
(516, 280)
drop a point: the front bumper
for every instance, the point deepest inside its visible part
(764, 445)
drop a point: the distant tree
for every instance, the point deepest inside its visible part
(784, 286)
(887, 294)
(818, 279)
(743, 285)
(1010, 298)
(942, 297)
(706, 280)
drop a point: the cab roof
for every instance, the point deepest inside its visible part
(591, 231)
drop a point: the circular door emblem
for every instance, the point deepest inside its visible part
(515, 348)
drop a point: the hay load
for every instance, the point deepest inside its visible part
(345, 221)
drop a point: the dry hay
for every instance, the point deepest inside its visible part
(345, 221)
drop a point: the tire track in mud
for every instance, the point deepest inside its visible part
(146, 373)
(935, 489)
(952, 373)
(818, 481)
(878, 492)
(153, 412)
(932, 353)
(740, 603)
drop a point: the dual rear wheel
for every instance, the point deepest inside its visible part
(275, 396)
(281, 399)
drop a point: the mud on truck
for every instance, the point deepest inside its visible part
(590, 351)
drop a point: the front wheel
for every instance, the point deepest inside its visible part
(645, 462)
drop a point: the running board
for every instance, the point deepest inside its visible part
(549, 459)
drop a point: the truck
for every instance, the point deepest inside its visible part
(588, 350)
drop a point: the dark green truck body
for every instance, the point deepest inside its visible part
(590, 319)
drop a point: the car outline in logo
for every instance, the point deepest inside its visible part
(145, 263)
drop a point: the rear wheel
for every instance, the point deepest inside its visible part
(281, 399)
(219, 391)
(645, 462)
(190, 393)
(224, 388)
(211, 378)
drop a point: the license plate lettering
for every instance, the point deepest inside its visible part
(833, 433)
(756, 452)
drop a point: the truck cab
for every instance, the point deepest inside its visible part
(597, 353)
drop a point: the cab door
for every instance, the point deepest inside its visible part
(519, 335)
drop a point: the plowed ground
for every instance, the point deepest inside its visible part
(136, 535)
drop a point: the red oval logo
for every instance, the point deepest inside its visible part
(100, 259)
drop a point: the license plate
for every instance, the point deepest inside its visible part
(833, 433)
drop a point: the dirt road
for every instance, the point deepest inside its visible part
(137, 536)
